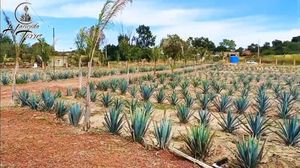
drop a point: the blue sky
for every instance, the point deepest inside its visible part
(244, 21)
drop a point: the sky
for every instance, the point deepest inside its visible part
(245, 21)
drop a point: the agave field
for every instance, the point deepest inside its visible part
(247, 114)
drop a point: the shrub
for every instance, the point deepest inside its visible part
(229, 122)
(48, 100)
(106, 99)
(75, 114)
(163, 133)
(289, 131)
(222, 104)
(199, 141)
(249, 153)
(146, 92)
(23, 97)
(204, 117)
(5, 79)
(123, 86)
(183, 113)
(61, 109)
(114, 120)
(139, 125)
(160, 97)
(241, 105)
(256, 125)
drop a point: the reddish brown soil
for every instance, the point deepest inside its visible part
(36, 139)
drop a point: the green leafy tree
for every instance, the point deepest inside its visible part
(145, 39)
(228, 44)
(277, 46)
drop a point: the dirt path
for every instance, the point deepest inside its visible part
(35, 139)
(5, 96)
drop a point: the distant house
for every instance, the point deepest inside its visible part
(227, 53)
(59, 61)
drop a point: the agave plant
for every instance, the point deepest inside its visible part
(229, 122)
(139, 124)
(285, 104)
(245, 92)
(93, 96)
(295, 93)
(204, 117)
(61, 109)
(189, 101)
(173, 85)
(123, 86)
(81, 93)
(249, 153)
(174, 99)
(256, 125)
(103, 85)
(183, 113)
(241, 105)
(23, 97)
(218, 87)
(146, 92)
(114, 83)
(148, 107)
(5, 79)
(160, 96)
(24, 78)
(289, 131)
(263, 104)
(199, 141)
(222, 104)
(106, 99)
(69, 91)
(185, 84)
(277, 89)
(114, 120)
(163, 132)
(132, 105)
(205, 87)
(75, 114)
(133, 91)
(33, 102)
(35, 77)
(205, 100)
(48, 100)
(118, 103)
(58, 94)
(185, 92)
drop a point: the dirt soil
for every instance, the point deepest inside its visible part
(36, 139)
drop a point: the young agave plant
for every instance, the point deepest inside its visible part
(118, 104)
(229, 122)
(61, 109)
(139, 125)
(249, 153)
(132, 105)
(241, 105)
(33, 102)
(133, 92)
(205, 87)
(35, 77)
(185, 93)
(174, 99)
(263, 104)
(75, 114)
(285, 104)
(103, 85)
(93, 96)
(204, 117)
(183, 113)
(295, 93)
(58, 94)
(160, 97)
(123, 86)
(106, 99)
(222, 104)
(23, 97)
(173, 85)
(5, 79)
(256, 125)
(189, 101)
(69, 91)
(185, 84)
(114, 83)
(48, 100)
(218, 87)
(199, 141)
(114, 120)
(277, 89)
(289, 131)
(146, 92)
(163, 133)
(205, 100)
(245, 92)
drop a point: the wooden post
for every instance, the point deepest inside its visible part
(260, 61)
(108, 65)
(276, 62)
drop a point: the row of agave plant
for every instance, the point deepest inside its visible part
(48, 101)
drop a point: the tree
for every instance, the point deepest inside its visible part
(229, 45)
(93, 36)
(156, 54)
(252, 48)
(145, 38)
(277, 47)
(240, 50)
(124, 47)
(296, 39)
(6, 47)
(42, 49)
(172, 48)
(202, 42)
(112, 52)
(80, 50)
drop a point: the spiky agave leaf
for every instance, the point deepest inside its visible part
(189, 101)
(289, 131)
(229, 122)
(249, 153)
(75, 114)
(205, 100)
(199, 141)
(256, 125)
(132, 105)
(205, 87)
(114, 84)
(93, 96)
(5, 79)
(139, 124)
(118, 103)
(184, 113)
(103, 85)
(163, 132)
(114, 120)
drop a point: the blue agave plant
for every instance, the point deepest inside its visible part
(114, 120)
(75, 114)
(289, 131)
